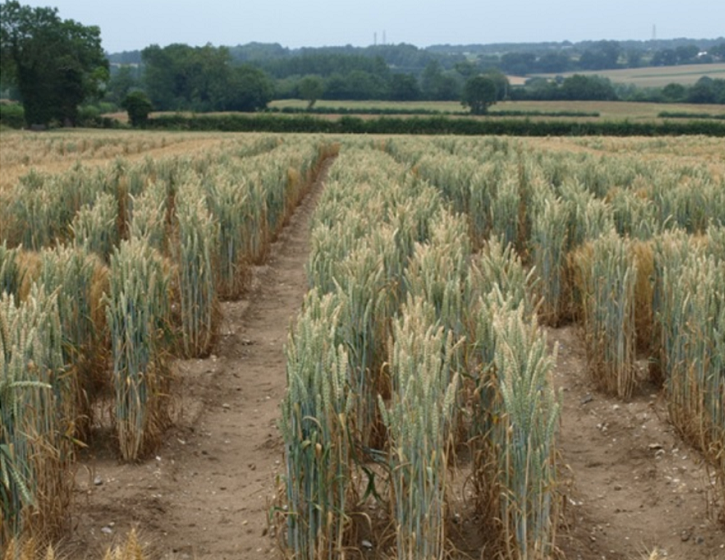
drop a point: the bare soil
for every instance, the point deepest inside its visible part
(630, 484)
(207, 492)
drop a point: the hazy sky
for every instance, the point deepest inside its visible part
(135, 24)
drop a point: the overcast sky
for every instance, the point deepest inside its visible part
(135, 24)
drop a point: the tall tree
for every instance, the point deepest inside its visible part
(249, 89)
(180, 77)
(311, 89)
(479, 93)
(138, 106)
(404, 87)
(437, 85)
(122, 81)
(56, 64)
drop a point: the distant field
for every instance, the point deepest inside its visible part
(443, 106)
(611, 110)
(657, 76)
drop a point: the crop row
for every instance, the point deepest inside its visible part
(630, 247)
(428, 274)
(409, 346)
(105, 274)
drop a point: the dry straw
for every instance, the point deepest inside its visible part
(30, 549)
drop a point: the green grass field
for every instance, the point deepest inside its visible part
(657, 76)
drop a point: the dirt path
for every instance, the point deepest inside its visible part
(207, 492)
(632, 484)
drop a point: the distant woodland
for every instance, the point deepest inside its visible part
(201, 78)
(58, 71)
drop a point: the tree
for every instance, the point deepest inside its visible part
(502, 83)
(479, 93)
(601, 56)
(674, 93)
(437, 85)
(518, 63)
(365, 85)
(163, 76)
(181, 77)
(536, 88)
(122, 81)
(665, 57)
(311, 89)
(634, 58)
(466, 68)
(553, 63)
(687, 54)
(250, 89)
(431, 79)
(702, 91)
(718, 51)
(56, 64)
(138, 106)
(404, 87)
(587, 88)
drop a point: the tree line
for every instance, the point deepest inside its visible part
(407, 73)
(514, 58)
(58, 69)
(387, 72)
(180, 77)
(596, 88)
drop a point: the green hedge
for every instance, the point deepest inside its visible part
(432, 125)
(675, 115)
(430, 112)
(12, 115)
